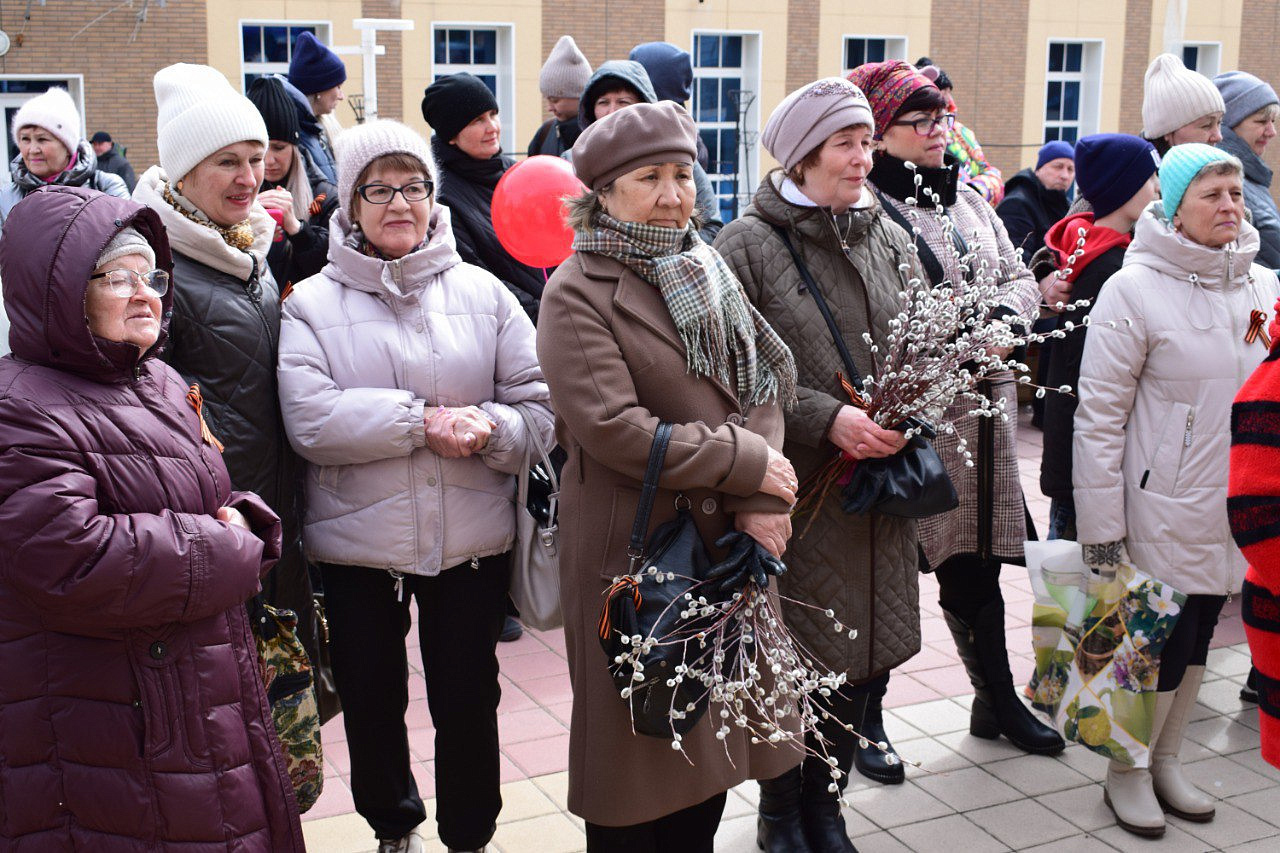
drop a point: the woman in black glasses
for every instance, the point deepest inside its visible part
(410, 384)
(917, 181)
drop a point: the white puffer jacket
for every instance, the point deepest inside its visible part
(1153, 428)
(365, 346)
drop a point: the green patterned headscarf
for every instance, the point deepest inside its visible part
(712, 315)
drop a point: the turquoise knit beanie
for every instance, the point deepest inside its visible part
(1180, 166)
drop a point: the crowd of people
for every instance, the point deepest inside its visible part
(292, 359)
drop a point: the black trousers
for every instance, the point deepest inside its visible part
(460, 613)
(1188, 644)
(967, 583)
(691, 830)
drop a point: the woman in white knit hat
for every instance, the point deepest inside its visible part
(1179, 105)
(226, 306)
(52, 150)
(410, 383)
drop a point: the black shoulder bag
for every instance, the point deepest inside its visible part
(912, 483)
(646, 604)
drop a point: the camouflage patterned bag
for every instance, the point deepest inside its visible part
(286, 673)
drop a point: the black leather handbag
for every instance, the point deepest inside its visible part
(640, 604)
(912, 483)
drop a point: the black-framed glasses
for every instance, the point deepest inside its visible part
(414, 191)
(925, 126)
(125, 283)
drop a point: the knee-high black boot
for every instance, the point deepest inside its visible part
(997, 710)
(819, 805)
(869, 760)
(779, 828)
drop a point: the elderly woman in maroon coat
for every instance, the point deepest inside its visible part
(132, 711)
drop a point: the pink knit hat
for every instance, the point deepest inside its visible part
(887, 86)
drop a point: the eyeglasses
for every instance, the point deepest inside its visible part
(125, 283)
(925, 126)
(414, 191)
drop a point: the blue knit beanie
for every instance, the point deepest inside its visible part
(314, 67)
(1179, 168)
(1111, 168)
(1055, 150)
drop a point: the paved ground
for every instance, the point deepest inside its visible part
(971, 795)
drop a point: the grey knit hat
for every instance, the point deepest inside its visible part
(126, 242)
(566, 71)
(359, 146)
(810, 114)
(1172, 97)
(641, 135)
(1243, 94)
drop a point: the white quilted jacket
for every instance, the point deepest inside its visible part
(1153, 428)
(365, 346)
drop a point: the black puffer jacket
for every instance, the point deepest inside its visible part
(1028, 209)
(224, 336)
(302, 255)
(466, 188)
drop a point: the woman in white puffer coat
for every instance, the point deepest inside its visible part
(409, 381)
(1172, 338)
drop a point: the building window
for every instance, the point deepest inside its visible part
(726, 84)
(267, 46)
(1072, 90)
(859, 50)
(485, 50)
(17, 89)
(1202, 57)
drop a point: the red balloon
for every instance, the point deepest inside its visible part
(528, 210)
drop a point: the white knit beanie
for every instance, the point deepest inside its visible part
(361, 145)
(198, 113)
(566, 71)
(55, 112)
(126, 242)
(1173, 96)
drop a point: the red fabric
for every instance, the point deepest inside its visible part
(132, 710)
(1064, 239)
(1253, 496)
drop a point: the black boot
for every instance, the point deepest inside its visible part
(997, 710)
(820, 806)
(1249, 693)
(779, 828)
(869, 760)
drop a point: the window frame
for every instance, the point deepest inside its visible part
(1204, 48)
(324, 32)
(749, 73)
(900, 41)
(503, 71)
(1090, 79)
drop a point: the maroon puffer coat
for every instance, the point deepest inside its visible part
(132, 713)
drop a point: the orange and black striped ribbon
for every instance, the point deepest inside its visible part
(1257, 328)
(197, 402)
(619, 588)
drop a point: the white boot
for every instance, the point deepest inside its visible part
(1129, 791)
(1177, 795)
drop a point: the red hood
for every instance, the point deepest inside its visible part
(1064, 239)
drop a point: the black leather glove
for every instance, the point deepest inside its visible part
(747, 561)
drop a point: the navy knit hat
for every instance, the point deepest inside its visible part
(314, 67)
(1111, 168)
(454, 101)
(1055, 150)
(277, 108)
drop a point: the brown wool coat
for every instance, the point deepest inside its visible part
(615, 365)
(864, 567)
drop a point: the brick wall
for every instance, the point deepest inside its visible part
(603, 29)
(118, 95)
(390, 65)
(802, 42)
(1259, 33)
(1137, 47)
(983, 49)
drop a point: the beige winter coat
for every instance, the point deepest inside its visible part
(864, 567)
(1153, 428)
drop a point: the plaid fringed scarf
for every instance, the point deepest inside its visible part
(712, 315)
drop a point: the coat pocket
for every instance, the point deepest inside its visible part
(173, 712)
(622, 517)
(329, 477)
(1176, 435)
